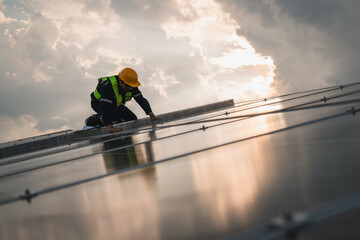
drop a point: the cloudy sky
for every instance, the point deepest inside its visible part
(186, 52)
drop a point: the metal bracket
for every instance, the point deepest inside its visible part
(28, 196)
(352, 111)
(204, 128)
(290, 222)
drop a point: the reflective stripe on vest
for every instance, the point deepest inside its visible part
(96, 92)
(114, 83)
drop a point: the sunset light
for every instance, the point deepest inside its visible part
(179, 119)
(230, 64)
(209, 50)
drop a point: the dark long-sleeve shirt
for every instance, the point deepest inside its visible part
(108, 100)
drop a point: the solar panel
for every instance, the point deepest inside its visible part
(262, 169)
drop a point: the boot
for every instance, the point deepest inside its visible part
(92, 121)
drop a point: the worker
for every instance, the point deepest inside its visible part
(109, 98)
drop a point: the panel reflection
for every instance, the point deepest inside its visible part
(209, 189)
(127, 155)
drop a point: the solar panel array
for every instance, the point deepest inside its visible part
(263, 169)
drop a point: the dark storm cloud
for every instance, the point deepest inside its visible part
(313, 43)
(318, 12)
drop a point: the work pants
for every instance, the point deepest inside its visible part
(119, 114)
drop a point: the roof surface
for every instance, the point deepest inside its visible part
(263, 169)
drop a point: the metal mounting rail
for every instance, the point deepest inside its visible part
(69, 137)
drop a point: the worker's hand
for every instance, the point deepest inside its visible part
(113, 129)
(153, 117)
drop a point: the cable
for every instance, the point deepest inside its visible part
(146, 130)
(28, 196)
(292, 222)
(99, 137)
(336, 87)
(237, 118)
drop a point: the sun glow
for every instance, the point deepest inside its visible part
(260, 85)
(237, 59)
(231, 67)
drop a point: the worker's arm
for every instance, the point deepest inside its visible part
(144, 104)
(153, 117)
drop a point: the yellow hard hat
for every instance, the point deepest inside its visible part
(129, 76)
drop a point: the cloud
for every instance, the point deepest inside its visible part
(46, 125)
(202, 22)
(160, 81)
(22, 127)
(205, 49)
(54, 57)
(179, 48)
(225, 54)
(26, 126)
(317, 12)
(4, 19)
(312, 43)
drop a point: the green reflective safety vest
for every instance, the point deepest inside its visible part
(114, 83)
